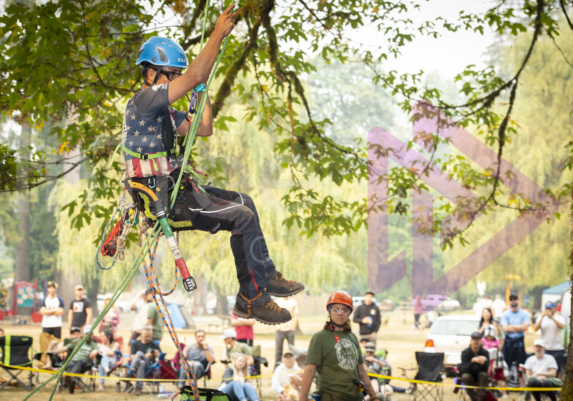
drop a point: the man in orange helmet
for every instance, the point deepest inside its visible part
(335, 353)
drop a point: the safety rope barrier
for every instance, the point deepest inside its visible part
(284, 374)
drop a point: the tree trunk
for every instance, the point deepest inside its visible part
(200, 296)
(66, 285)
(567, 391)
(22, 262)
(222, 307)
(91, 294)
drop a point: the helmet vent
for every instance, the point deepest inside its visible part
(162, 56)
(154, 58)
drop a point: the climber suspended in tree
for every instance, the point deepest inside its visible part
(153, 165)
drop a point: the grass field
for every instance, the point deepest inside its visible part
(397, 337)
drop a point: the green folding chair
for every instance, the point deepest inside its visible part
(207, 394)
(16, 351)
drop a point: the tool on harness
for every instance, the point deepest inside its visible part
(129, 219)
(156, 206)
(115, 241)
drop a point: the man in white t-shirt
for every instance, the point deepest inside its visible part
(498, 307)
(285, 382)
(540, 371)
(551, 325)
(140, 304)
(285, 330)
(52, 309)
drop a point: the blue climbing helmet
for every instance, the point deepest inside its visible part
(162, 52)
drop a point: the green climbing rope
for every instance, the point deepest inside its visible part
(155, 232)
(106, 309)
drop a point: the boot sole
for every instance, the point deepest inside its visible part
(246, 316)
(284, 295)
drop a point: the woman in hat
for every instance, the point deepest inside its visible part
(335, 354)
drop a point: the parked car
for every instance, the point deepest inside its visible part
(440, 302)
(450, 334)
(357, 301)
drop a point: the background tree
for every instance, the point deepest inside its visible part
(82, 57)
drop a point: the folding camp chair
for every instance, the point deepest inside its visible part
(430, 368)
(207, 375)
(206, 394)
(256, 368)
(153, 371)
(16, 351)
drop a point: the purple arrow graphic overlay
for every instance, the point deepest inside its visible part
(383, 273)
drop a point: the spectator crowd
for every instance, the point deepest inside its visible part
(342, 360)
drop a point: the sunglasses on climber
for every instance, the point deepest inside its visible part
(171, 75)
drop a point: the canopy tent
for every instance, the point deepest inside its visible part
(180, 317)
(554, 293)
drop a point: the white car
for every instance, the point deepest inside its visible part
(357, 301)
(440, 302)
(450, 334)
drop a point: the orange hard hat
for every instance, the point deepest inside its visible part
(340, 297)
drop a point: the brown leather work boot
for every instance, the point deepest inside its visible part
(281, 287)
(261, 308)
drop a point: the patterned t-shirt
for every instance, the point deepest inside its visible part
(142, 131)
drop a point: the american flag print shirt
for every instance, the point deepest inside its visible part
(142, 130)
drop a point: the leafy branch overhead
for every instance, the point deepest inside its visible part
(70, 66)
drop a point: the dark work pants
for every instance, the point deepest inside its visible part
(535, 382)
(279, 341)
(482, 381)
(236, 212)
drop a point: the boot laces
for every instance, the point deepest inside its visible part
(272, 306)
(281, 278)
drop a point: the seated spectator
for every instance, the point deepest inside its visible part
(541, 371)
(490, 342)
(375, 364)
(81, 361)
(474, 366)
(58, 358)
(111, 320)
(233, 347)
(107, 349)
(198, 355)
(363, 342)
(285, 383)
(144, 352)
(238, 388)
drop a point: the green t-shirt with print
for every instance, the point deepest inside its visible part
(241, 348)
(337, 363)
(84, 352)
(157, 322)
